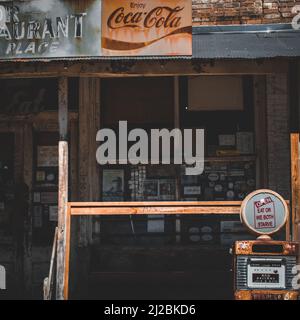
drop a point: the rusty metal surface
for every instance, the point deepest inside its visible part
(246, 247)
(266, 295)
(71, 31)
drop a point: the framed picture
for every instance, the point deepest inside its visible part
(113, 185)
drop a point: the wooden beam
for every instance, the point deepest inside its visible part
(295, 186)
(63, 185)
(156, 204)
(295, 181)
(48, 284)
(294, 103)
(89, 123)
(67, 254)
(154, 210)
(103, 68)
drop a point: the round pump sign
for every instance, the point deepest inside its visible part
(264, 212)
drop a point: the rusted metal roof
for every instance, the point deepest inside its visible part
(222, 42)
(246, 42)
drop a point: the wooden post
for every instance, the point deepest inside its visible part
(294, 103)
(89, 123)
(63, 184)
(88, 178)
(295, 181)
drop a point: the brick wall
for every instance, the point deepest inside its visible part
(278, 134)
(221, 12)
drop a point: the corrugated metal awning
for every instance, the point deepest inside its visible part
(223, 42)
(246, 42)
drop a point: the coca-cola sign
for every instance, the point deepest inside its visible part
(146, 27)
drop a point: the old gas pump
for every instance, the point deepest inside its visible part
(264, 268)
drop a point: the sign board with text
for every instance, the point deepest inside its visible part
(94, 28)
(264, 212)
(50, 29)
(146, 27)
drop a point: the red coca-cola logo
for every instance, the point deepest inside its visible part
(159, 17)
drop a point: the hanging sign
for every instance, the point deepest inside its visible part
(264, 212)
(146, 27)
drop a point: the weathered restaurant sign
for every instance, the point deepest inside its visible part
(50, 28)
(69, 28)
(146, 27)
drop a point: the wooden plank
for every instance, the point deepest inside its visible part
(63, 108)
(101, 68)
(48, 285)
(154, 210)
(62, 186)
(295, 182)
(159, 211)
(157, 204)
(89, 122)
(62, 213)
(67, 254)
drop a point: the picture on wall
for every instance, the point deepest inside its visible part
(113, 185)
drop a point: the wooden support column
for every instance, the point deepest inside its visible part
(89, 123)
(295, 180)
(88, 177)
(63, 184)
(294, 103)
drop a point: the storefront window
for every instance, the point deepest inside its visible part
(225, 114)
(148, 103)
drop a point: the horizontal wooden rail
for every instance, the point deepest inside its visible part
(146, 208)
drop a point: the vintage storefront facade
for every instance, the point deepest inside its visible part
(241, 85)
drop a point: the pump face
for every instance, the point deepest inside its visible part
(264, 212)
